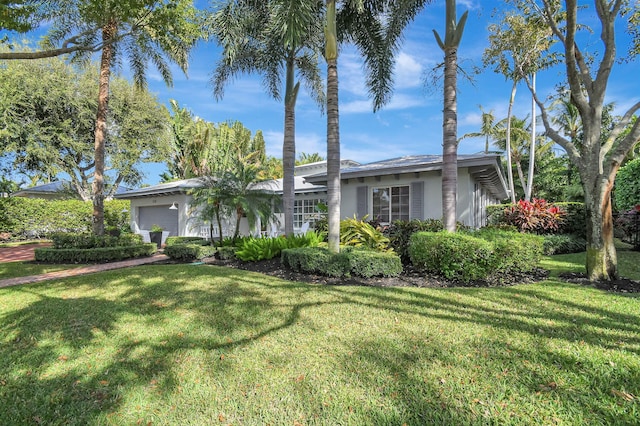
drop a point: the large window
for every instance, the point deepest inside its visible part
(391, 203)
(305, 211)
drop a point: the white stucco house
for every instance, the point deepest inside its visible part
(400, 188)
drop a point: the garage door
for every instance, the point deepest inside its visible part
(158, 215)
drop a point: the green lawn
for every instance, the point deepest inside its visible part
(201, 345)
(24, 269)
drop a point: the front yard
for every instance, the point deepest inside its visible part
(200, 344)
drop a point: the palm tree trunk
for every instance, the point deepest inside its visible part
(333, 130)
(289, 150)
(449, 138)
(108, 31)
(508, 147)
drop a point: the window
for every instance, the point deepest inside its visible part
(305, 211)
(391, 203)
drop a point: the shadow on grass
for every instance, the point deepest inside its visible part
(44, 344)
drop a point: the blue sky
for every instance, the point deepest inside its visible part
(411, 123)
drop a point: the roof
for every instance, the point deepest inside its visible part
(167, 188)
(55, 187)
(485, 168)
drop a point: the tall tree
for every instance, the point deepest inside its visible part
(375, 27)
(488, 129)
(269, 37)
(519, 46)
(157, 32)
(304, 158)
(453, 35)
(47, 121)
(597, 159)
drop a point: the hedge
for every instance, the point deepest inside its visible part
(28, 218)
(186, 240)
(87, 241)
(93, 255)
(480, 255)
(189, 252)
(357, 262)
(575, 221)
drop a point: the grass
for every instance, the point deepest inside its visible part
(185, 344)
(628, 262)
(24, 269)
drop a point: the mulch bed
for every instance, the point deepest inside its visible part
(621, 285)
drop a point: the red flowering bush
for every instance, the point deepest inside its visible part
(535, 216)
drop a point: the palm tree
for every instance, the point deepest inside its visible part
(304, 158)
(488, 129)
(450, 45)
(268, 37)
(375, 27)
(157, 32)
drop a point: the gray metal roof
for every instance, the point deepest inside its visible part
(175, 187)
(55, 187)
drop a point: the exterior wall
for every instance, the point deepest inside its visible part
(431, 197)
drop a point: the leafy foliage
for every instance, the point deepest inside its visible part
(629, 224)
(185, 240)
(189, 251)
(88, 241)
(26, 218)
(358, 233)
(564, 243)
(254, 249)
(400, 232)
(93, 255)
(627, 189)
(535, 216)
(368, 263)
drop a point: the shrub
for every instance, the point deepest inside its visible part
(574, 219)
(368, 263)
(537, 216)
(628, 223)
(254, 249)
(400, 232)
(513, 252)
(563, 244)
(316, 260)
(88, 241)
(26, 218)
(185, 240)
(226, 253)
(453, 255)
(627, 189)
(189, 252)
(358, 233)
(93, 255)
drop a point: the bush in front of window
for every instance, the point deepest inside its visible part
(367, 263)
(400, 232)
(356, 232)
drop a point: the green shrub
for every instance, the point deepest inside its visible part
(93, 255)
(400, 232)
(189, 252)
(226, 253)
(254, 249)
(453, 255)
(563, 244)
(513, 252)
(316, 260)
(185, 240)
(358, 233)
(627, 190)
(28, 218)
(88, 241)
(369, 263)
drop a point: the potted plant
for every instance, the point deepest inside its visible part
(155, 234)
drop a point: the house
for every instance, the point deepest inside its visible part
(400, 188)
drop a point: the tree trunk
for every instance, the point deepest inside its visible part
(333, 130)
(602, 261)
(532, 149)
(108, 32)
(508, 146)
(449, 141)
(289, 151)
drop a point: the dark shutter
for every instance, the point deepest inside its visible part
(362, 201)
(417, 200)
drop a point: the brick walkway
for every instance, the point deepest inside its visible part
(20, 253)
(78, 271)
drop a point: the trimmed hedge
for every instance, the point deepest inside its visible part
(476, 256)
(400, 232)
(28, 218)
(93, 255)
(189, 252)
(171, 241)
(87, 241)
(563, 244)
(357, 262)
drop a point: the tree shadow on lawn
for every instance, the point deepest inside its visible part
(72, 360)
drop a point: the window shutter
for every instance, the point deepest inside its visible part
(417, 200)
(362, 201)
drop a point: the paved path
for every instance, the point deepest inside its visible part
(20, 253)
(81, 270)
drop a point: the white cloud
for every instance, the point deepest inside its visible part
(408, 71)
(305, 142)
